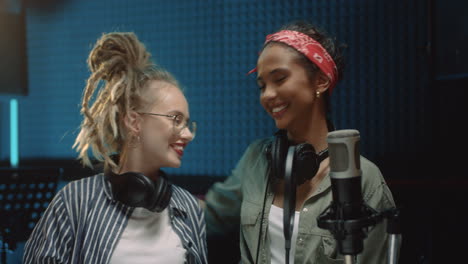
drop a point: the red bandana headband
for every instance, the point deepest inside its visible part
(311, 49)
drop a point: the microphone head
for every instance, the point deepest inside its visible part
(343, 146)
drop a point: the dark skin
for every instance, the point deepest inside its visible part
(289, 95)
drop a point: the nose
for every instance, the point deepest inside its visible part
(186, 134)
(268, 93)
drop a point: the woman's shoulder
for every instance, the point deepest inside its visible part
(261, 142)
(181, 195)
(86, 181)
(77, 194)
(374, 183)
(368, 166)
(371, 174)
(87, 186)
(258, 146)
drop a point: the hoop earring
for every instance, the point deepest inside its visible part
(317, 93)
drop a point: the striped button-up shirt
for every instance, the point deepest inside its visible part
(83, 224)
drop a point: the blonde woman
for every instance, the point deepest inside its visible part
(138, 123)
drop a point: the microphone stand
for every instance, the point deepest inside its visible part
(348, 216)
(350, 233)
(350, 259)
(394, 229)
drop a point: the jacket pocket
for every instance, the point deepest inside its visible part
(250, 219)
(329, 252)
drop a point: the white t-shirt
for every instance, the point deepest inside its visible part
(148, 238)
(275, 230)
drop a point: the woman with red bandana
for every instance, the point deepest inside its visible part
(297, 70)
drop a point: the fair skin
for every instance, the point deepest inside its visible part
(158, 145)
(288, 95)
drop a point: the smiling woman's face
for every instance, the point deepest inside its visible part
(286, 92)
(161, 144)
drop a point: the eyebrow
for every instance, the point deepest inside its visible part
(259, 78)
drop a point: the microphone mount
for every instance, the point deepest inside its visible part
(341, 229)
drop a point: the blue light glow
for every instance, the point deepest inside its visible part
(14, 153)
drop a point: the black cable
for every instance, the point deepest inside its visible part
(289, 205)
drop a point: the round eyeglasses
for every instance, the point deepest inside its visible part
(178, 123)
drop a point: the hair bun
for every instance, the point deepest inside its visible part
(116, 53)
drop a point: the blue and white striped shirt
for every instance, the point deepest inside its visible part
(83, 224)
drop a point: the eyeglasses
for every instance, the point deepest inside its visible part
(178, 123)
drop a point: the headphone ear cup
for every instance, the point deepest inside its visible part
(306, 163)
(132, 188)
(161, 196)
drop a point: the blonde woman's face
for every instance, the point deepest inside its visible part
(161, 144)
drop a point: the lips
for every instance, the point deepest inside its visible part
(178, 148)
(279, 110)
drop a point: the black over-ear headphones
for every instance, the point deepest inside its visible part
(306, 162)
(136, 190)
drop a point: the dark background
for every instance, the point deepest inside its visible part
(404, 89)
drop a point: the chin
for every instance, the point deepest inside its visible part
(177, 165)
(280, 124)
(174, 163)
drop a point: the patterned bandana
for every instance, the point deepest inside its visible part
(311, 49)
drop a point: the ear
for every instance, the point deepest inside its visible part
(322, 82)
(132, 122)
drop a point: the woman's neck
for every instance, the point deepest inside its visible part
(314, 132)
(133, 160)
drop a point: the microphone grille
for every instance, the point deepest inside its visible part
(343, 146)
(338, 157)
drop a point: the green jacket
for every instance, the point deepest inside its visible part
(241, 196)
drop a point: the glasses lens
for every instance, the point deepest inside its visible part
(192, 126)
(180, 125)
(179, 122)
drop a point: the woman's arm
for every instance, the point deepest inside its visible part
(51, 238)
